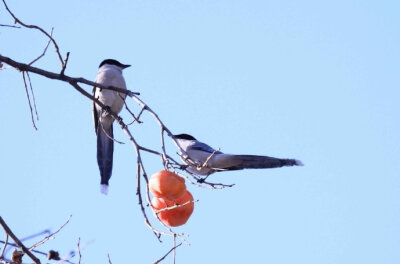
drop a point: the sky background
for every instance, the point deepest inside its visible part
(313, 80)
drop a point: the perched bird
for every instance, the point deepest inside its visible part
(209, 160)
(109, 74)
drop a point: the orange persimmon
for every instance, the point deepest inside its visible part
(178, 215)
(166, 184)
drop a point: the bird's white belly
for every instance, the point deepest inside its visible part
(112, 99)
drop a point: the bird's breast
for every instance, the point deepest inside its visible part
(112, 99)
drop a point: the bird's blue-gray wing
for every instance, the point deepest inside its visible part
(204, 147)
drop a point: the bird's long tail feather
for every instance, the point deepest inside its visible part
(105, 150)
(261, 162)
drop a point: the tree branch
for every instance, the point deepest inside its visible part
(4, 247)
(175, 206)
(172, 249)
(19, 243)
(61, 77)
(29, 100)
(11, 26)
(51, 236)
(33, 96)
(79, 251)
(44, 51)
(17, 21)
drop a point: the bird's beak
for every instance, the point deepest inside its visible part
(126, 66)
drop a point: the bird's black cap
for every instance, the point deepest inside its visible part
(114, 62)
(184, 136)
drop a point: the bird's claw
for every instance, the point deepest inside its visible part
(183, 167)
(106, 110)
(201, 180)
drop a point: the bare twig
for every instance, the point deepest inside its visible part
(171, 160)
(44, 51)
(175, 206)
(79, 250)
(108, 135)
(137, 118)
(12, 26)
(29, 100)
(46, 231)
(200, 182)
(19, 243)
(64, 64)
(164, 153)
(4, 247)
(51, 236)
(141, 112)
(33, 96)
(172, 249)
(130, 112)
(161, 124)
(139, 194)
(208, 159)
(216, 185)
(109, 259)
(34, 250)
(17, 21)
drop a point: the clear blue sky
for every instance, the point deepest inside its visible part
(313, 80)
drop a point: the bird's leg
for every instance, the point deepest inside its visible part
(202, 180)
